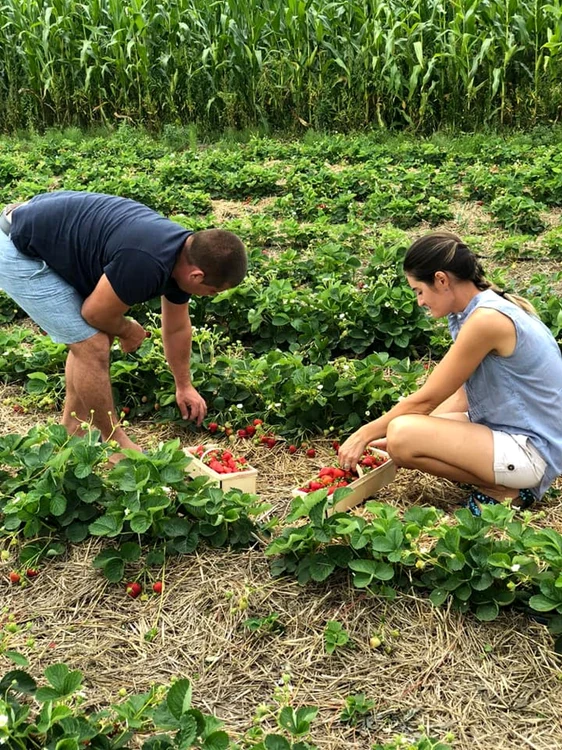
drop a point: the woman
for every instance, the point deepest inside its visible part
(490, 413)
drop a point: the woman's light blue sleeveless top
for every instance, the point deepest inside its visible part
(520, 394)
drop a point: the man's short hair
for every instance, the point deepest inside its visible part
(221, 256)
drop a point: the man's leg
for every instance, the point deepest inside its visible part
(89, 390)
(75, 411)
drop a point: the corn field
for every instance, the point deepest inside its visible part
(280, 63)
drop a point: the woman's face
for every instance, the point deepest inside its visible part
(437, 297)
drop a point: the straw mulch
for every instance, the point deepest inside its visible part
(493, 685)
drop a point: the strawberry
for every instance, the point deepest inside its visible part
(242, 433)
(31, 572)
(292, 449)
(15, 577)
(226, 456)
(271, 442)
(125, 409)
(213, 427)
(228, 431)
(257, 422)
(335, 445)
(315, 486)
(157, 587)
(134, 589)
(250, 430)
(310, 453)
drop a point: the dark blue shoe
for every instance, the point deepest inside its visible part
(476, 499)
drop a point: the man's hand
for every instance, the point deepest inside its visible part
(133, 336)
(192, 405)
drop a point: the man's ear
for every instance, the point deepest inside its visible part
(196, 275)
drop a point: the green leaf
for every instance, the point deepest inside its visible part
(438, 596)
(216, 741)
(175, 527)
(81, 471)
(276, 742)
(179, 698)
(17, 658)
(384, 571)
(67, 744)
(18, 681)
(77, 531)
(487, 612)
(57, 506)
(140, 522)
(542, 603)
(114, 569)
(44, 694)
(321, 567)
(73, 682)
(130, 551)
(187, 733)
(107, 525)
(56, 674)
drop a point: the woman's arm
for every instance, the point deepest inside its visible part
(485, 331)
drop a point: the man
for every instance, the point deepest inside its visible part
(77, 261)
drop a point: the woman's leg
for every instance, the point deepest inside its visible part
(447, 446)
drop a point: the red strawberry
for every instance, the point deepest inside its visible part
(257, 422)
(335, 445)
(242, 433)
(270, 442)
(310, 452)
(228, 431)
(157, 587)
(226, 456)
(250, 430)
(292, 449)
(134, 589)
(31, 572)
(125, 409)
(15, 577)
(213, 426)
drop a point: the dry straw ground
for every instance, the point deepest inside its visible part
(493, 685)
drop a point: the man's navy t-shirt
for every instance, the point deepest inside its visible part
(82, 236)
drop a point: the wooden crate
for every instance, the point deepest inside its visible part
(239, 480)
(363, 487)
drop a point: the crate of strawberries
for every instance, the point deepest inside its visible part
(374, 471)
(228, 470)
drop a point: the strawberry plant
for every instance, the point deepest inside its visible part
(335, 636)
(53, 486)
(481, 564)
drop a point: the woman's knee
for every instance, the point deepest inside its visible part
(400, 439)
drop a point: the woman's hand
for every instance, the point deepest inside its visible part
(351, 451)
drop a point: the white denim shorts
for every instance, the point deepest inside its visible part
(46, 297)
(517, 463)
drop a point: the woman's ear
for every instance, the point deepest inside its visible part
(441, 279)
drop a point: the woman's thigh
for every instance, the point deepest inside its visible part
(416, 439)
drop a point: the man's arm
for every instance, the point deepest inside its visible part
(176, 337)
(105, 311)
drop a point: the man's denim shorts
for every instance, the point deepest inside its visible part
(47, 298)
